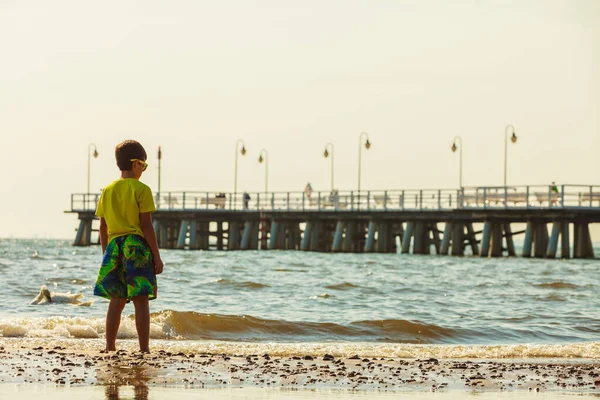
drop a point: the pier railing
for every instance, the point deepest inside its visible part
(485, 197)
(547, 196)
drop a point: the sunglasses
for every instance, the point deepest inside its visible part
(144, 163)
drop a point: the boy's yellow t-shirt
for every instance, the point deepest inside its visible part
(120, 205)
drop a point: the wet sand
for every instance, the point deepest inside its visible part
(22, 368)
(162, 393)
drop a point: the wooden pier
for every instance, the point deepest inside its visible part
(480, 221)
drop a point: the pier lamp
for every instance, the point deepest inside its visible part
(264, 156)
(454, 148)
(513, 139)
(367, 144)
(238, 151)
(329, 151)
(90, 146)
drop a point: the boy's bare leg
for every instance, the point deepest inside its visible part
(113, 320)
(142, 321)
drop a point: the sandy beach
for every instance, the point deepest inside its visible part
(50, 369)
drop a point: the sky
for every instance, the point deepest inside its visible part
(290, 76)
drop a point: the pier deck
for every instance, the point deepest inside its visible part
(472, 220)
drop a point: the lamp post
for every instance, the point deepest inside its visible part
(513, 139)
(459, 147)
(329, 151)
(242, 151)
(159, 174)
(367, 145)
(89, 163)
(264, 156)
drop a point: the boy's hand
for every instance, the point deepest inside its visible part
(158, 266)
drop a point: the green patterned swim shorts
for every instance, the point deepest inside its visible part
(127, 269)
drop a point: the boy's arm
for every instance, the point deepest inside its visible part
(103, 234)
(150, 235)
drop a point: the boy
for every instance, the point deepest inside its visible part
(131, 258)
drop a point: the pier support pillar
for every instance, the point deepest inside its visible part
(435, 237)
(400, 234)
(246, 236)
(582, 241)
(445, 246)
(193, 235)
(205, 238)
(471, 237)
(540, 240)
(293, 235)
(349, 237)
(510, 244)
(282, 236)
(553, 243)
(486, 239)
(173, 234)
(305, 243)
(163, 234)
(337, 239)
(264, 229)
(156, 226)
(274, 236)
(254, 237)
(385, 243)
(220, 240)
(183, 232)
(496, 245)
(370, 243)
(199, 235)
(84, 232)
(421, 239)
(458, 239)
(315, 234)
(408, 233)
(233, 238)
(565, 247)
(528, 241)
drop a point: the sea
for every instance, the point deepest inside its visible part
(291, 302)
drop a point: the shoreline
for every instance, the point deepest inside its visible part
(62, 366)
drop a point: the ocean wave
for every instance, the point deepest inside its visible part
(73, 281)
(557, 285)
(289, 270)
(550, 297)
(189, 325)
(242, 285)
(194, 326)
(342, 286)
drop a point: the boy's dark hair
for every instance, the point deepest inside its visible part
(127, 150)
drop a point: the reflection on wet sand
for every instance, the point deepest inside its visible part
(115, 376)
(139, 392)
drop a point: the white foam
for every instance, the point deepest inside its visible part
(83, 331)
(10, 329)
(576, 351)
(78, 331)
(76, 327)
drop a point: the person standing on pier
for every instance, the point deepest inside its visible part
(246, 200)
(131, 259)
